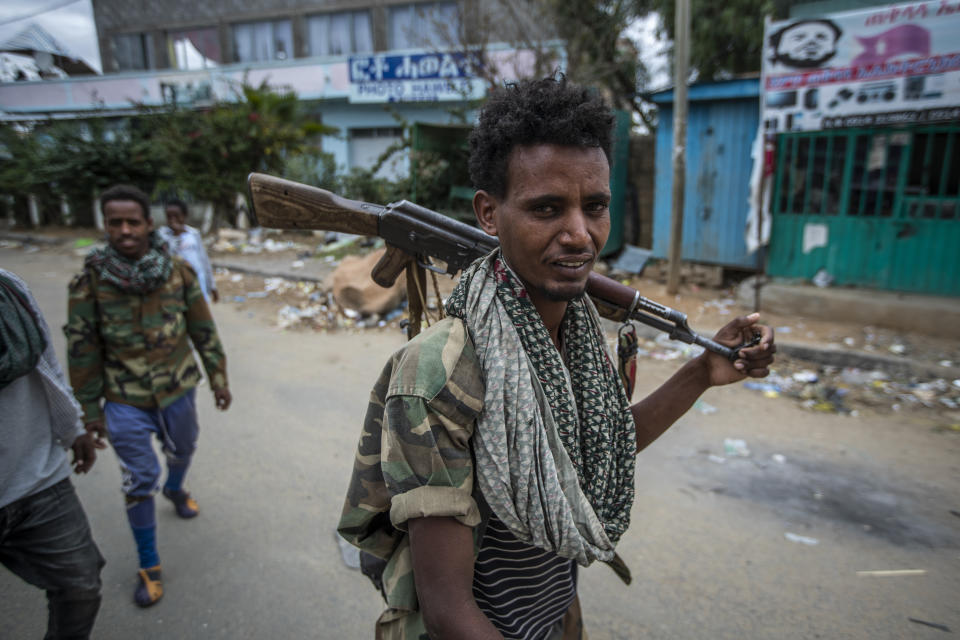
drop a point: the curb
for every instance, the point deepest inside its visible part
(861, 360)
(265, 274)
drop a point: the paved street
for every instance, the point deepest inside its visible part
(769, 545)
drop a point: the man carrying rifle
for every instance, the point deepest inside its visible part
(498, 448)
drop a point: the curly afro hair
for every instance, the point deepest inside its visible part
(530, 112)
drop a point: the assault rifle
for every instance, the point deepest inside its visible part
(442, 245)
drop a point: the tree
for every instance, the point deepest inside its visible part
(79, 159)
(210, 152)
(726, 37)
(19, 168)
(598, 52)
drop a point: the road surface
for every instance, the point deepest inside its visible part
(769, 545)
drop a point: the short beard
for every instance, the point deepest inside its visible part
(563, 296)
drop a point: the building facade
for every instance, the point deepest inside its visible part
(862, 107)
(367, 67)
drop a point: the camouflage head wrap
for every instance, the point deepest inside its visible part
(132, 276)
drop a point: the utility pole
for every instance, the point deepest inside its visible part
(681, 62)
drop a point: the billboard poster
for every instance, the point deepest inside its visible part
(888, 65)
(423, 77)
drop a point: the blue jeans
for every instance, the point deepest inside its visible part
(132, 430)
(45, 539)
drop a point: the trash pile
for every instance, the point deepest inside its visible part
(844, 390)
(832, 389)
(303, 305)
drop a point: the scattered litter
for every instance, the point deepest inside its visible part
(715, 458)
(288, 316)
(761, 386)
(257, 294)
(80, 243)
(704, 408)
(956, 383)
(735, 447)
(783, 329)
(854, 376)
(806, 376)
(273, 246)
(239, 299)
(823, 278)
(897, 348)
(793, 537)
(946, 363)
(237, 277)
(850, 342)
(935, 625)
(722, 306)
(891, 573)
(779, 458)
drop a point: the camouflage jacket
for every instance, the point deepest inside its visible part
(414, 460)
(133, 348)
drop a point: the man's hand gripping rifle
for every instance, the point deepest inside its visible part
(440, 244)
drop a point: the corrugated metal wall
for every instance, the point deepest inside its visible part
(875, 208)
(720, 132)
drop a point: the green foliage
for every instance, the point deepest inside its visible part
(211, 151)
(317, 169)
(206, 154)
(74, 159)
(598, 54)
(726, 38)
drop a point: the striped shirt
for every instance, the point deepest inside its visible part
(522, 589)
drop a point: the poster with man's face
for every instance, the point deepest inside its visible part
(888, 65)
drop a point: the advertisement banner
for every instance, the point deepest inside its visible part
(887, 65)
(424, 77)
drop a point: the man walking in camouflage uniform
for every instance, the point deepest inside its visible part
(498, 450)
(133, 312)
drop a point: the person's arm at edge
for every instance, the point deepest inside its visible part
(658, 411)
(442, 555)
(203, 333)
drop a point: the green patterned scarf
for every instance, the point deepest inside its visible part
(555, 444)
(21, 338)
(132, 276)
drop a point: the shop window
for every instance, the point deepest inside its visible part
(263, 41)
(880, 173)
(423, 25)
(932, 189)
(340, 33)
(132, 51)
(368, 145)
(194, 48)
